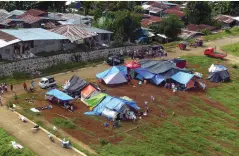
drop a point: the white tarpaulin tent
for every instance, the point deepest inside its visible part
(115, 78)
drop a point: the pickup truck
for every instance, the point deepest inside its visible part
(211, 53)
(47, 82)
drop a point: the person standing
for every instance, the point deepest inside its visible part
(1, 101)
(25, 86)
(11, 87)
(33, 84)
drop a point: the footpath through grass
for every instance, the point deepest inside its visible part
(6, 148)
(232, 49)
(207, 131)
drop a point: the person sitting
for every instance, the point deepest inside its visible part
(65, 143)
(36, 127)
(22, 118)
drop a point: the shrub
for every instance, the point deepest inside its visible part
(63, 123)
(20, 75)
(103, 141)
(10, 105)
(206, 32)
(228, 31)
(235, 66)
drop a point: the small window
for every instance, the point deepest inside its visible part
(46, 81)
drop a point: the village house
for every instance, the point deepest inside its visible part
(24, 43)
(201, 27)
(226, 21)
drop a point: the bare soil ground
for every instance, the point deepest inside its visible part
(91, 128)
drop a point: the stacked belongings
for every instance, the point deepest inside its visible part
(114, 75)
(113, 107)
(218, 73)
(74, 86)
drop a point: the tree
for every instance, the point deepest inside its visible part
(138, 8)
(198, 12)
(220, 7)
(122, 23)
(234, 8)
(170, 26)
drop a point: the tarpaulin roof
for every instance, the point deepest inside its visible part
(182, 77)
(132, 65)
(87, 91)
(112, 103)
(95, 100)
(144, 73)
(59, 95)
(114, 69)
(157, 66)
(76, 84)
(165, 68)
(216, 68)
(115, 78)
(219, 76)
(157, 79)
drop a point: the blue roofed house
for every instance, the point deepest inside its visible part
(24, 43)
(143, 35)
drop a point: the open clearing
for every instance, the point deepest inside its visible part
(203, 124)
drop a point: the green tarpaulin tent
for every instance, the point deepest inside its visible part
(95, 100)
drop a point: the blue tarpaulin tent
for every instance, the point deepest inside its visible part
(59, 95)
(157, 79)
(114, 75)
(112, 70)
(112, 103)
(182, 77)
(144, 73)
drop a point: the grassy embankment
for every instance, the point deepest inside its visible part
(8, 150)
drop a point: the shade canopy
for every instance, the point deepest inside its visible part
(59, 95)
(182, 77)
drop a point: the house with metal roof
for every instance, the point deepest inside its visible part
(24, 43)
(226, 21)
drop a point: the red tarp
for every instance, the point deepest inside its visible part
(132, 65)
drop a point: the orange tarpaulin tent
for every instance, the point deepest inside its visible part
(87, 91)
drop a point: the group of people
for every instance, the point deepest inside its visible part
(31, 87)
(172, 86)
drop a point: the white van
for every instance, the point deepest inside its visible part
(46, 82)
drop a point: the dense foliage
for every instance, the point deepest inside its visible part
(170, 26)
(198, 12)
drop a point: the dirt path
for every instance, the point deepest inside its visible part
(176, 52)
(39, 142)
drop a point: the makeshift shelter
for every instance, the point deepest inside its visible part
(95, 100)
(87, 91)
(184, 78)
(132, 65)
(114, 75)
(75, 85)
(59, 95)
(157, 79)
(144, 73)
(112, 106)
(165, 68)
(216, 68)
(218, 73)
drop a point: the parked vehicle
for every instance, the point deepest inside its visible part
(114, 60)
(182, 45)
(211, 53)
(47, 82)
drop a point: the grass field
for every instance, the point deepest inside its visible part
(208, 131)
(226, 33)
(7, 149)
(232, 49)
